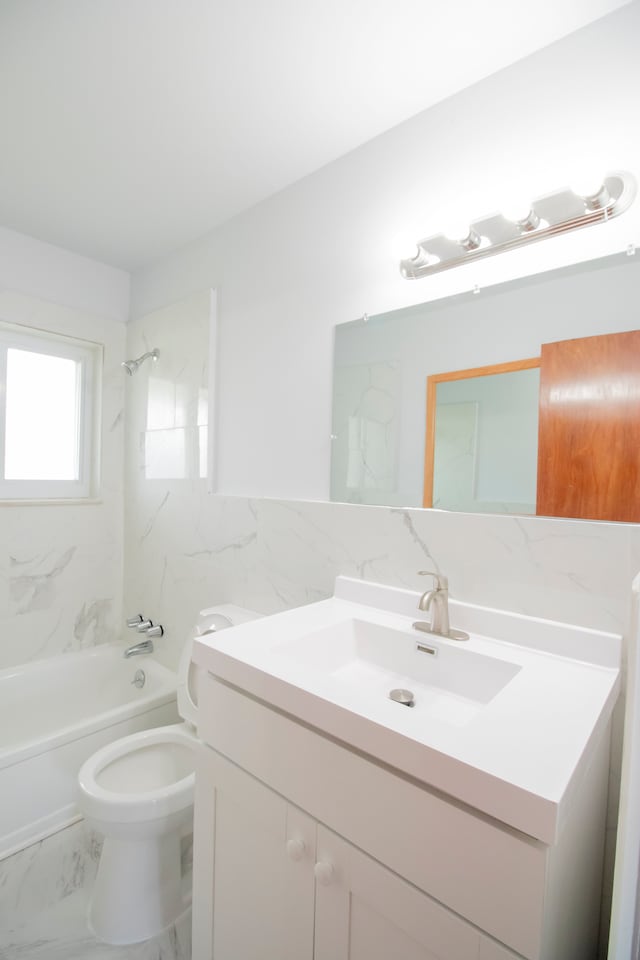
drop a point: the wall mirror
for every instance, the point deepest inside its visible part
(481, 450)
(446, 404)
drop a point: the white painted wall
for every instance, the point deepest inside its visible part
(325, 250)
(31, 267)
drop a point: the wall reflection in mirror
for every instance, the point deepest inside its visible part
(461, 403)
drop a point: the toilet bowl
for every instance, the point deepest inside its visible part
(138, 792)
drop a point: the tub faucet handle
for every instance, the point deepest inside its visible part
(143, 625)
(133, 622)
(155, 631)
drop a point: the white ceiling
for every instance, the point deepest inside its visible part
(130, 127)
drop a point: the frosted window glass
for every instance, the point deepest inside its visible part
(42, 413)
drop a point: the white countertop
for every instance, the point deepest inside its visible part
(516, 758)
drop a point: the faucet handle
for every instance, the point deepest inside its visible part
(440, 582)
(133, 622)
(143, 626)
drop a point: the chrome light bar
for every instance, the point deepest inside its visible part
(549, 216)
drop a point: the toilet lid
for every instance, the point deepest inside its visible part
(209, 621)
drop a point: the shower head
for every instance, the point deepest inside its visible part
(131, 366)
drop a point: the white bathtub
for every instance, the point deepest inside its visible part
(53, 715)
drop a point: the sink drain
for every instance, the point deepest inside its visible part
(405, 697)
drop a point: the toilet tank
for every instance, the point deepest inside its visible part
(210, 620)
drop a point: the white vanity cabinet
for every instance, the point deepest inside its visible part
(273, 884)
(331, 823)
(253, 853)
(306, 849)
(363, 911)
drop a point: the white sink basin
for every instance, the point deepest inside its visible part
(504, 721)
(370, 660)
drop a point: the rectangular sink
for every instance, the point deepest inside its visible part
(370, 660)
(506, 720)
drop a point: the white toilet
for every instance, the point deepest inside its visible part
(138, 792)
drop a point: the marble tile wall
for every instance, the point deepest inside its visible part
(61, 564)
(187, 549)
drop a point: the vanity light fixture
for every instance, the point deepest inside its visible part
(548, 216)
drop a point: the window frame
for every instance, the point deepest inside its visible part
(87, 355)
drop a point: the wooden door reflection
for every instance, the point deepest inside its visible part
(589, 428)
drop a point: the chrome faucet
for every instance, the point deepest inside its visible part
(147, 627)
(437, 599)
(144, 646)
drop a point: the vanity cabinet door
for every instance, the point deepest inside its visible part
(257, 874)
(366, 912)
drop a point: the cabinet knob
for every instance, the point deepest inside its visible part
(295, 849)
(323, 872)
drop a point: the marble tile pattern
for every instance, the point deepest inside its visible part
(61, 933)
(186, 549)
(44, 893)
(61, 563)
(37, 878)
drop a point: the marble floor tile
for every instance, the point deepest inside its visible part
(61, 933)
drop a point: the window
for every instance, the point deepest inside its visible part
(47, 386)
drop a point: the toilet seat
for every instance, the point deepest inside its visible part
(104, 802)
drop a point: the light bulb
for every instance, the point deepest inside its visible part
(404, 247)
(515, 211)
(456, 229)
(586, 184)
(514, 201)
(592, 190)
